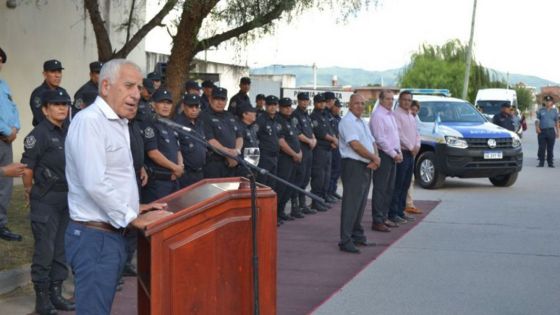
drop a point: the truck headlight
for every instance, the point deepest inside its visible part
(516, 142)
(456, 142)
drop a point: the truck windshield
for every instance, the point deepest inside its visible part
(490, 107)
(449, 112)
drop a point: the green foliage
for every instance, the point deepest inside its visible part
(524, 97)
(443, 67)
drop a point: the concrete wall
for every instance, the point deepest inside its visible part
(39, 30)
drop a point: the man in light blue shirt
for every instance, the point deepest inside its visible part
(102, 190)
(9, 127)
(359, 158)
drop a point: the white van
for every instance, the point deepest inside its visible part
(489, 101)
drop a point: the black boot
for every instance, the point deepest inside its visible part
(296, 211)
(43, 305)
(59, 302)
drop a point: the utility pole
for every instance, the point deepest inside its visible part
(469, 55)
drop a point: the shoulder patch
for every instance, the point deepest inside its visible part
(294, 121)
(79, 103)
(149, 133)
(315, 123)
(278, 127)
(37, 101)
(30, 142)
(255, 128)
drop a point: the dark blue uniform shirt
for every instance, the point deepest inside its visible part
(221, 126)
(158, 136)
(36, 100)
(237, 99)
(321, 128)
(290, 132)
(194, 152)
(250, 139)
(268, 129)
(79, 104)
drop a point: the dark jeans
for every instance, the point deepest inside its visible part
(383, 187)
(403, 178)
(97, 259)
(336, 169)
(321, 171)
(546, 138)
(48, 224)
(356, 180)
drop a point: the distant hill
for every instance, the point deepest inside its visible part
(360, 77)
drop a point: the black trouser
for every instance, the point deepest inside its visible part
(547, 137)
(158, 188)
(216, 167)
(49, 219)
(383, 187)
(190, 177)
(403, 178)
(287, 171)
(321, 171)
(336, 169)
(270, 163)
(356, 180)
(303, 172)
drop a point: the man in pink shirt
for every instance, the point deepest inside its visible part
(384, 128)
(410, 145)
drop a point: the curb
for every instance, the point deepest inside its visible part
(14, 278)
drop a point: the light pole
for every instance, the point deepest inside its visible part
(469, 55)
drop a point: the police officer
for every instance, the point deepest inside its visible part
(260, 101)
(289, 158)
(330, 100)
(322, 154)
(241, 96)
(47, 190)
(268, 140)
(90, 86)
(191, 87)
(145, 110)
(336, 164)
(52, 74)
(156, 78)
(547, 131)
(504, 119)
(222, 132)
(161, 144)
(194, 152)
(307, 142)
(207, 87)
(248, 128)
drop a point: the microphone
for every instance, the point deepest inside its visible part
(173, 124)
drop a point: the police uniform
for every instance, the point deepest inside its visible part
(194, 152)
(322, 154)
(223, 127)
(548, 121)
(268, 143)
(286, 164)
(258, 98)
(336, 163)
(249, 132)
(161, 137)
(503, 120)
(44, 155)
(303, 170)
(204, 100)
(145, 110)
(335, 154)
(240, 97)
(35, 101)
(89, 87)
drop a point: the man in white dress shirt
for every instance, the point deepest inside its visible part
(103, 195)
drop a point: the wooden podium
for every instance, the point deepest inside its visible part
(199, 260)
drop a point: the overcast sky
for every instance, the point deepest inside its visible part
(510, 35)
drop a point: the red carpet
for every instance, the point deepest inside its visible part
(310, 266)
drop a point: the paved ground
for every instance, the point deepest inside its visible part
(483, 250)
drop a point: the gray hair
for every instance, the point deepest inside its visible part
(111, 69)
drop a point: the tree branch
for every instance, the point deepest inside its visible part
(129, 24)
(257, 22)
(145, 29)
(104, 48)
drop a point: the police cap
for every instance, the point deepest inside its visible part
(161, 95)
(548, 98)
(329, 95)
(191, 99)
(337, 103)
(219, 92)
(192, 85)
(271, 100)
(245, 80)
(154, 76)
(207, 84)
(285, 102)
(245, 107)
(95, 66)
(3, 55)
(318, 98)
(52, 65)
(148, 85)
(260, 97)
(303, 96)
(55, 96)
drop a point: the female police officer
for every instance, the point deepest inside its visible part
(46, 189)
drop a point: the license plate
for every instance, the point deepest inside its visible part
(495, 155)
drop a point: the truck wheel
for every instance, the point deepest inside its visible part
(426, 172)
(504, 180)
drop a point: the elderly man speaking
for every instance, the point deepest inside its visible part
(103, 194)
(357, 149)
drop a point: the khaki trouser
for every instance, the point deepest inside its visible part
(409, 200)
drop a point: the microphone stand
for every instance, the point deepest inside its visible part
(253, 171)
